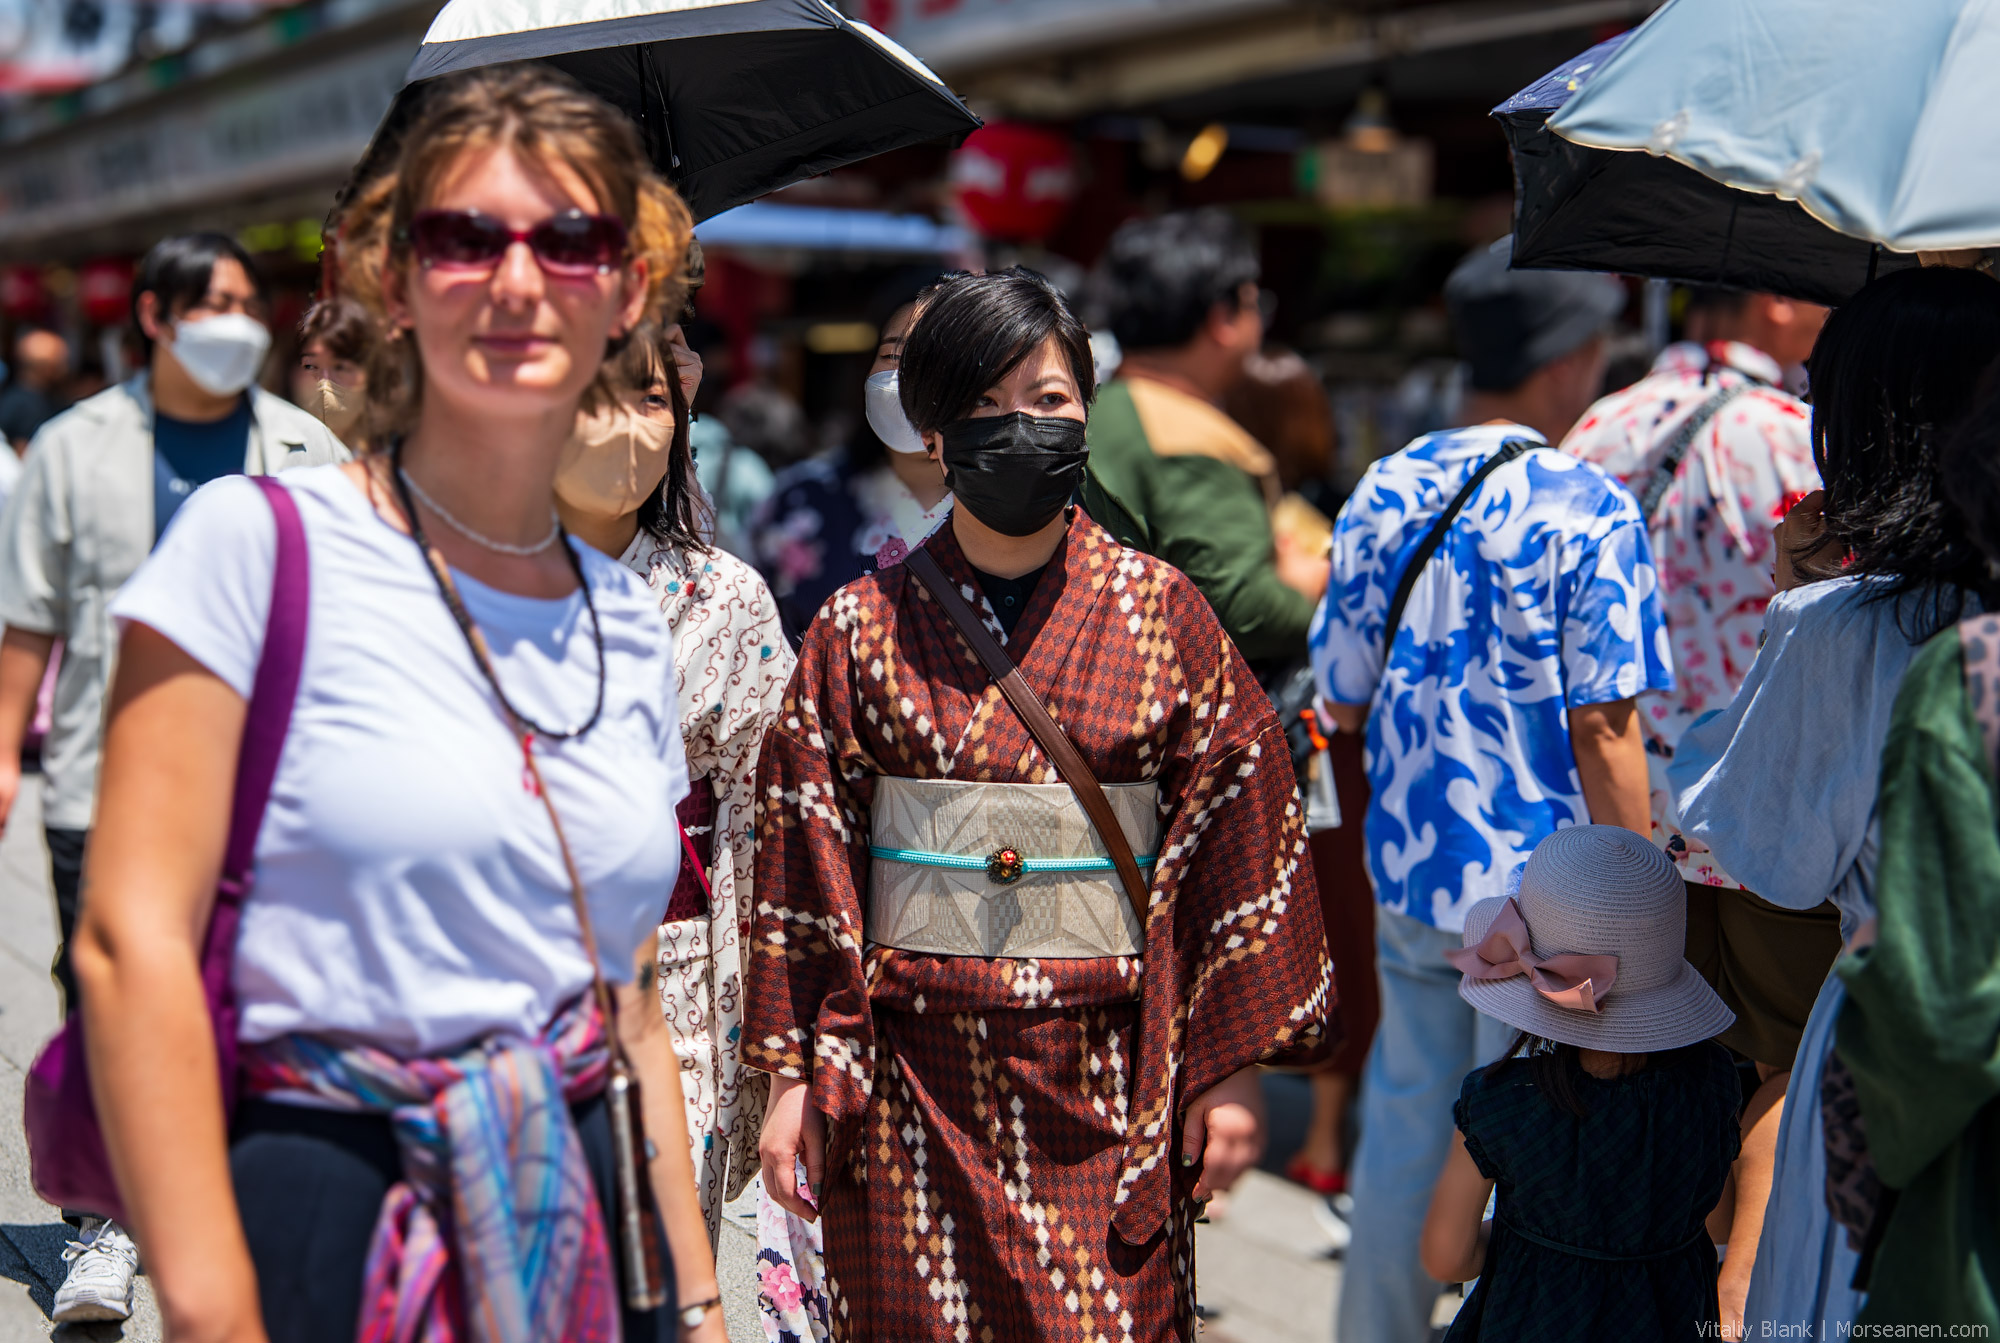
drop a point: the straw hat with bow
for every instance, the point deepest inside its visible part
(1590, 950)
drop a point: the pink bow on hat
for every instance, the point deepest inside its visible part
(1573, 981)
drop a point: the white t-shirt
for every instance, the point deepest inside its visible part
(10, 470)
(409, 892)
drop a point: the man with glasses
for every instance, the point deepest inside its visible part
(1170, 473)
(98, 487)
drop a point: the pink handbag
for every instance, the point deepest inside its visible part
(68, 1164)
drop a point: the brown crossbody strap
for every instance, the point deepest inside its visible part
(1055, 743)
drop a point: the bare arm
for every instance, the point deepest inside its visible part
(1721, 1218)
(1750, 1188)
(643, 1032)
(1301, 567)
(1453, 1247)
(1347, 717)
(163, 816)
(1611, 761)
(24, 660)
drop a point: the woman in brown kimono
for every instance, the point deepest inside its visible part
(1008, 1095)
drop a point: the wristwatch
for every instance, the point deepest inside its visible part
(692, 1316)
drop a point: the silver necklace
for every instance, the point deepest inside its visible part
(504, 547)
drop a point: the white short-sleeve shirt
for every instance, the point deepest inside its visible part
(409, 892)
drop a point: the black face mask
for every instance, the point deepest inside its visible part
(1014, 472)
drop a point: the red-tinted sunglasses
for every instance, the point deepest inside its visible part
(569, 244)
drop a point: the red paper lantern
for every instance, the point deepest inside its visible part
(1014, 180)
(104, 290)
(22, 293)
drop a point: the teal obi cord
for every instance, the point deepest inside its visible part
(963, 863)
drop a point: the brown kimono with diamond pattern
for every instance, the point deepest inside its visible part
(1004, 1135)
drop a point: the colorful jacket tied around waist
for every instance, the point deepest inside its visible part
(494, 1184)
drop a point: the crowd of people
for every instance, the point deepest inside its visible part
(1601, 808)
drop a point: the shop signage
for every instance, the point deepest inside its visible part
(289, 128)
(22, 293)
(49, 45)
(1395, 173)
(104, 290)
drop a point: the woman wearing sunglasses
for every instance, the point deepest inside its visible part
(443, 976)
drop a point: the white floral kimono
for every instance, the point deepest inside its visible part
(731, 663)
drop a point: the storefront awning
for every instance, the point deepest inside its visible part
(281, 133)
(1229, 44)
(821, 229)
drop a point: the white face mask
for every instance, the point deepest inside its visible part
(222, 354)
(885, 413)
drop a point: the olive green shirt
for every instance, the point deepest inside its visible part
(1920, 1029)
(1185, 483)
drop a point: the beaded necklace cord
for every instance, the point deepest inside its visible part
(524, 726)
(480, 538)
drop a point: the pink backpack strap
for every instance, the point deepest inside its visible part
(1979, 640)
(267, 720)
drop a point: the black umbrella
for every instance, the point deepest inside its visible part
(735, 98)
(1638, 214)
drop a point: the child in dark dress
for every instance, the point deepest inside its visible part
(1611, 1126)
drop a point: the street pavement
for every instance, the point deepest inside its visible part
(1263, 1274)
(31, 1235)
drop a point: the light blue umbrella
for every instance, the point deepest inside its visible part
(1880, 118)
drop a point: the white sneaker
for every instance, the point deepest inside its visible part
(101, 1262)
(1332, 1213)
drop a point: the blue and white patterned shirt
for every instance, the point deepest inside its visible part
(1542, 596)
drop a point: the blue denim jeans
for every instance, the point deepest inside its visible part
(1428, 1040)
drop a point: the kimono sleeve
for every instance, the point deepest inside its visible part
(758, 672)
(1248, 910)
(1923, 1003)
(806, 1009)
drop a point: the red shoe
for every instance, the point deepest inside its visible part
(1319, 1181)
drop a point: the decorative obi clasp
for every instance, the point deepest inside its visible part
(1003, 869)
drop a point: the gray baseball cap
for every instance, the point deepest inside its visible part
(1511, 322)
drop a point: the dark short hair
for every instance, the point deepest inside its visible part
(177, 271)
(976, 329)
(1893, 378)
(1162, 277)
(1894, 374)
(341, 325)
(1511, 322)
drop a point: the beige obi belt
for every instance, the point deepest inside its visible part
(1003, 869)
